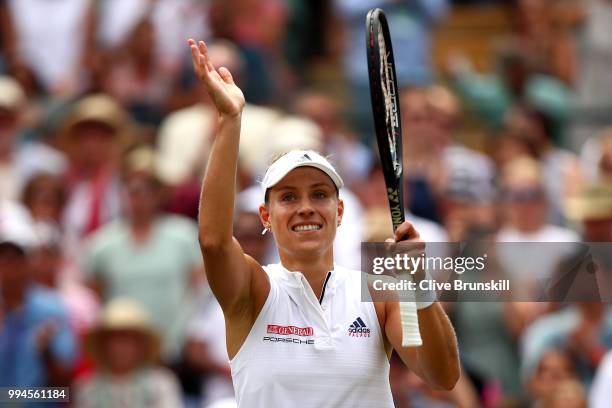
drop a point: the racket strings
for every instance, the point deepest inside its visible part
(388, 90)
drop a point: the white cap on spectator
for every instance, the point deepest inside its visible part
(12, 96)
(299, 158)
(249, 200)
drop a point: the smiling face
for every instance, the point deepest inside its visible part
(303, 212)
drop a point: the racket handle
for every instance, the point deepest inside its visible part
(411, 335)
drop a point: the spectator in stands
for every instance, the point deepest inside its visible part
(554, 376)
(45, 197)
(53, 271)
(37, 348)
(125, 348)
(560, 167)
(67, 33)
(258, 27)
(20, 160)
(525, 210)
(147, 255)
(491, 96)
(93, 135)
(436, 164)
(204, 370)
(423, 169)
(172, 21)
(410, 391)
(526, 206)
(352, 157)
(411, 23)
(548, 42)
(136, 78)
(592, 208)
(583, 330)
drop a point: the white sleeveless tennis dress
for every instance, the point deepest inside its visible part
(303, 354)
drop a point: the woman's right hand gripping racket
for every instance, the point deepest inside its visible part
(385, 106)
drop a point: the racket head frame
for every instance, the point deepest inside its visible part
(386, 109)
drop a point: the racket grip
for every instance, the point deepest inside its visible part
(411, 336)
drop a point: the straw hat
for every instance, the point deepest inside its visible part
(121, 315)
(594, 202)
(98, 108)
(143, 160)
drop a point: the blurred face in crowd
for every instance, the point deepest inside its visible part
(45, 195)
(143, 194)
(46, 263)
(321, 109)
(465, 220)
(418, 128)
(303, 210)
(94, 143)
(445, 112)
(508, 147)
(554, 368)
(123, 350)
(247, 230)
(142, 41)
(567, 394)
(14, 270)
(526, 206)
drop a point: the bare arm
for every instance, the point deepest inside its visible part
(229, 271)
(437, 360)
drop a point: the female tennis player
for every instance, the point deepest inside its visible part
(298, 334)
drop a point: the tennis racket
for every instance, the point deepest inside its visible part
(386, 110)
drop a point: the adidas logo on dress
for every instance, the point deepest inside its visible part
(358, 329)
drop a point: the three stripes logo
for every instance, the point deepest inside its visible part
(358, 329)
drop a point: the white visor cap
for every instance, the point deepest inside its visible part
(299, 158)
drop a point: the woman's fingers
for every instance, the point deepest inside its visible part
(204, 52)
(406, 231)
(226, 75)
(202, 65)
(220, 85)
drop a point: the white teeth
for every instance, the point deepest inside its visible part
(311, 227)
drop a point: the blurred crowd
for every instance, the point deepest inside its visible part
(105, 134)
